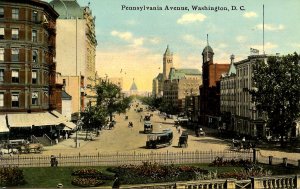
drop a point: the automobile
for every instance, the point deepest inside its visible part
(159, 139)
(148, 127)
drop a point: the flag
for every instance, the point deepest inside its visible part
(254, 51)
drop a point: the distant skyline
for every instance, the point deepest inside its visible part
(131, 43)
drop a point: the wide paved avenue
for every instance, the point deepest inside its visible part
(124, 139)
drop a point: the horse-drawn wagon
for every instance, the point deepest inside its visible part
(183, 139)
(31, 148)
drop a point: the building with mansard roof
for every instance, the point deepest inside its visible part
(181, 83)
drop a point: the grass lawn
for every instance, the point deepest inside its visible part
(49, 177)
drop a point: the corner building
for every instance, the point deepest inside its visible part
(27, 51)
(30, 98)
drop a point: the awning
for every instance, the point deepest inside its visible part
(70, 125)
(3, 125)
(64, 121)
(32, 119)
(38, 119)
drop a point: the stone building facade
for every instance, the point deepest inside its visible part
(247, 121)
(158, 82)
(76, 50)
(181, 83)
(228, 97)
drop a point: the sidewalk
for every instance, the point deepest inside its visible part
(70, 143)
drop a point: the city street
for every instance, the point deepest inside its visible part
(125, 139)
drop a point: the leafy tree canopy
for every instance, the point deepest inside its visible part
(277, 91)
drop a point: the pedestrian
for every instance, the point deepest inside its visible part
(66, 135)
(116, 183)
(178, 129)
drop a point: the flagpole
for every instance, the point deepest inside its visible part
(264, 29)
(207, 48)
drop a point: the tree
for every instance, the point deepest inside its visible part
(277, 91)
(152, 101)
(110, 98)
(93, 117)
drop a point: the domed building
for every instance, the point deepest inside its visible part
(133, 88)
(75, 50)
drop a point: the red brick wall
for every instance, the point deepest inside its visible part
(215, 71)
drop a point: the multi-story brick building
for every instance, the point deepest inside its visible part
(27, 47)
(28, 88)
(210, 89)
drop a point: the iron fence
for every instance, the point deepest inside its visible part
(271, 160)
(134, 158)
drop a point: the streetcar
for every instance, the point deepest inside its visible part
(159, 139)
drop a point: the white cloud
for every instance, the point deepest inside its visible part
(190, 18)
(193, 40)
(268, 46)
(128, 36)
(122, 35)
(271, 27)
(241, 38)
(250, 14)
(154, 40)
(138, 41)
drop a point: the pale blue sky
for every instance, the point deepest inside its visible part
(135, 41)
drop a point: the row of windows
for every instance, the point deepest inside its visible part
(243, 71)
(227, 84)
(15, 99)
(15, 78)
(15, 34)
(241, 83)
(15, 12)
(15, 55)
